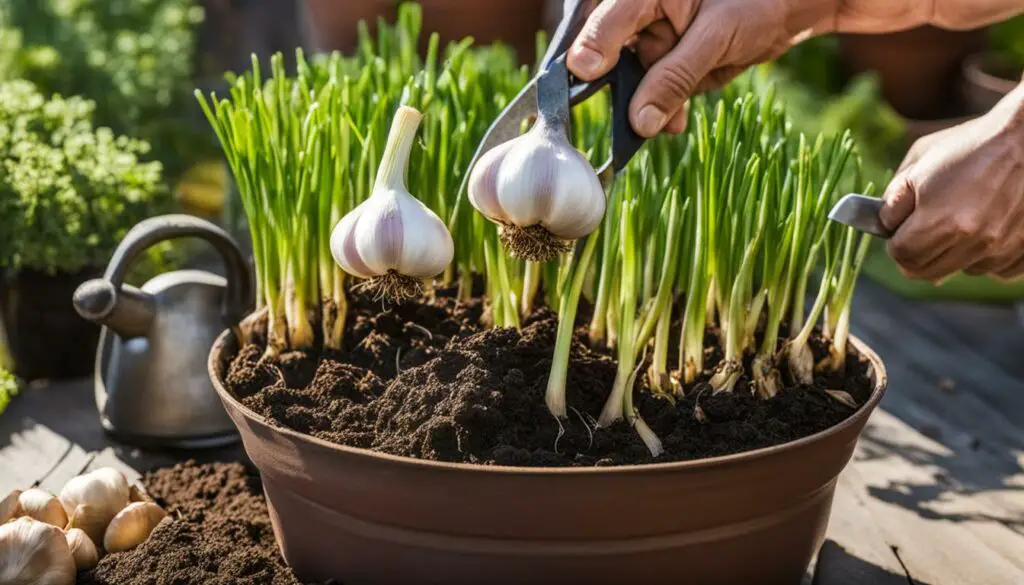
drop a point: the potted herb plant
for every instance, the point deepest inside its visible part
(991, 74)
(679, 389)
(68, 193)
(135, 60)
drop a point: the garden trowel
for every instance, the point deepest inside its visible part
(860, 212)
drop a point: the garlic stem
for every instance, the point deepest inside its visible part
(394, 164)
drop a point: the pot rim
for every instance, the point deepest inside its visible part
(974, 71)
(864, 411)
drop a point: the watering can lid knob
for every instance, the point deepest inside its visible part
(95, 299)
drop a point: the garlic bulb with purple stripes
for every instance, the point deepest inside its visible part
(391, 239)
(540, 190)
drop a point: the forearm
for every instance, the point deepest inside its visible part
(881, 16)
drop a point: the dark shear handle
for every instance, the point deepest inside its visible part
(624, 80)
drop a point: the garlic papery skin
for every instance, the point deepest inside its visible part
(392, 239)
(540, 189)
(43, 506)
(10, 507)
(34, 553)
(91, 500)
(83, 550)
(132, 526)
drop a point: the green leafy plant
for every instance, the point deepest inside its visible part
(8, 388)
(134, 58)
(68, 191)
(1007, 40)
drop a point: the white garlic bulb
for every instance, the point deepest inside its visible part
(43, 506)
(83, 550)
(392, 238)
(540, 189)
(10, 507)
(132, 526)
(34, 553)
(91, 500)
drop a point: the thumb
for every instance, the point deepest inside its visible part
(898, 203)
(608, 28)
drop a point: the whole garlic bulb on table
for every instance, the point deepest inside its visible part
(34, 553)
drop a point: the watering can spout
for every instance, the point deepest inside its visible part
(126, 310)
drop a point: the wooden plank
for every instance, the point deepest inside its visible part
(942, 535)
(29, 451)
(855, 550)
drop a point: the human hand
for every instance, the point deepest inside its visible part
(690, 46)
(957, 201)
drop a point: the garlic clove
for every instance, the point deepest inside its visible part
(82, 549)
(91, 520)
(10, 508)
(104, 490)
(483, 183)
(43, 506)
(132, 526)
(137, 494)
(34, 553)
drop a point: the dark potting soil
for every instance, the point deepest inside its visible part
(428, 380)
(218, 533)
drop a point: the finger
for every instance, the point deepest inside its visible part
(677, 125)
(654, 42)
(1013, 271)
(914, 246)
(672, 80)
(898, 202)
(949, 262)
(718, 79)
(612, 24)
(1003, 263)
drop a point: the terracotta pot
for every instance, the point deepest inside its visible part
(987, 79)
(333, 24)
(514, 23)
(919, 69)
(45, 337)
(367, 518)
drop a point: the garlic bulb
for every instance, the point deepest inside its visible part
(82, 549)
(92, 499)
(34, 553)
(10, 507)
(43, 506)
(132, 526)
(540, 190)
(392, 239)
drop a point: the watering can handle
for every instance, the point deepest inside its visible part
(238, 297)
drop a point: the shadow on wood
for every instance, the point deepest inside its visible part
(837, 566)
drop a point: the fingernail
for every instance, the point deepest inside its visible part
(587, 61)
(650, 120)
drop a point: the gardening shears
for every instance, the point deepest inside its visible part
(554, 89)
(861, 213)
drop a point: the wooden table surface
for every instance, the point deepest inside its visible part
(934, 496)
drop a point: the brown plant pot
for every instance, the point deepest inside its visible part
(367, 518)
(45, 337)
(987, 79)
(919, 69)
(487, 21)
(333, 23)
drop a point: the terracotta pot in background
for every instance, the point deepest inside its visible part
(333, 24)
(987, 79)
(919, 69)
(45, 336)
(368, 518)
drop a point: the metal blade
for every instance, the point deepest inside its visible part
(506, 126)
(860, 212)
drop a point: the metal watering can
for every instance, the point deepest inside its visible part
(151, 382)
